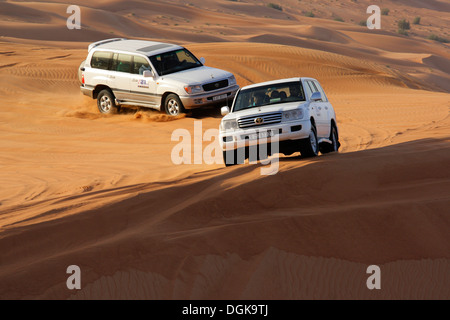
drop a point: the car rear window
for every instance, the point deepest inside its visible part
(101, 60)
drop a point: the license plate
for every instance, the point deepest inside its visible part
(222, 96)
(261, 135)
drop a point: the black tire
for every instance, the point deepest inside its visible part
(309, 147)
(173, 105)
(334, 146)
(106, 102)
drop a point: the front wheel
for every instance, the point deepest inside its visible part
(309, 147)
(106, 102)
(173, 105)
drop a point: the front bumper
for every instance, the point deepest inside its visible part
(280, 132)
(209, 98)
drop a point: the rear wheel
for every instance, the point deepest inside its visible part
(309, 147)
(173, 105)
(106, 102)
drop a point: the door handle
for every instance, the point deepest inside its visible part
(134, 80)
(112, 77)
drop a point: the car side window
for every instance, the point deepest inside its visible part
(313, 87)
(101, 60)
(308, 90)
(121, 62)
(140, 65)
(319, 87)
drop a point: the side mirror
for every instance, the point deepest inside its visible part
(316, 96)
(148, 74)
(202, 60)
(225, 110)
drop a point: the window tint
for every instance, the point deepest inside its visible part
(101, 60)
(123, 62)
(113, 65)
(140, 65)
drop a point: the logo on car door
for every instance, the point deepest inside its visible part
(143, 83)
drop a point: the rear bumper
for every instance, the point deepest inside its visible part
(87, 91)
(209, 98)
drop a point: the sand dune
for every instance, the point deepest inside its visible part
(101, 191)
(202, 232)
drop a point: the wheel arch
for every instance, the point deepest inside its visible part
(313, 122)
(334, 124)
(163, 98)
(99, 88)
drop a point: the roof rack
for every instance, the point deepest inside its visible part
(96, 44)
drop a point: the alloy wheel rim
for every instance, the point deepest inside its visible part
(173, 107)
(105, 104)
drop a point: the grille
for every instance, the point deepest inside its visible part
(251, 121)
(216, 85)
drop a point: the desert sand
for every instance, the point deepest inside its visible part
(101, 192)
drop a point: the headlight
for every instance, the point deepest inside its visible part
(232, 81)
(293, 115)
(193, 89)
(228, 125)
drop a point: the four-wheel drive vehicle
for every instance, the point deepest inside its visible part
(295, 110)
(157, 75)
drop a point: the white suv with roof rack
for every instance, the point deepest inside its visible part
(293, 112)
(156, 75)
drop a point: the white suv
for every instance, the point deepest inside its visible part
(157, 75)
(295, 110)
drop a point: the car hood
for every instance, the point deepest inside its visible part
(201, 75)
(264, 109)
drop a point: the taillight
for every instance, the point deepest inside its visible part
(82, 78)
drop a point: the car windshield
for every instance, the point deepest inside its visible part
(174, 61)
(270, 94)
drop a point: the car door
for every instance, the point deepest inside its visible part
(142, 89)
(326, 109)
(120, 76)
(319, 111)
